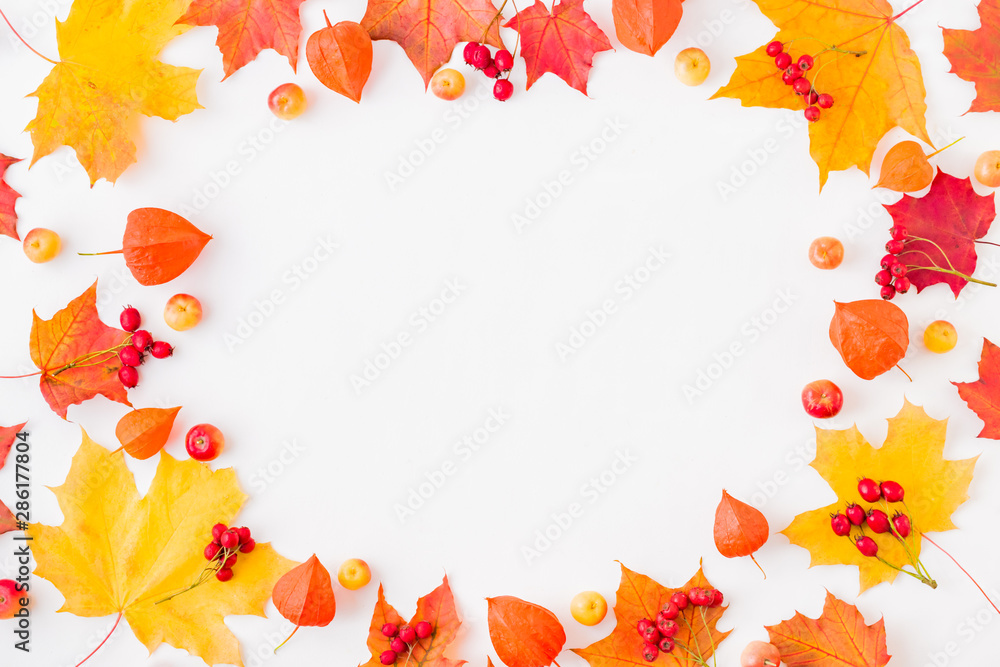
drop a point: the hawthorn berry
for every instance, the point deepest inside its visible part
(468, 52)
(883, 278)
(244, 534)
(793, 72)
(887, 292)
(774, 48)
(892, 491)
(649, 652)
(407, 634)
(878, 521)
(390, 629)
(869, 490)
(825, 101)
(161, 350)
(894, 247)
(651, 635)
(898, 232)
(782, 61)
(130, 319)
(901, 285)
(841, 525)
(666, 645)
(801, 86)
(481, 57)
(643, 625)
(812, 97)
(491, 71)
(130, 356)
(387, 657)
(503, 89)
(247, 546)
(866, 546)
(229, 540)
(888, 261)
(503, 60)
(142, 339)
(217, 531)
(224, 575)
(898, 270)
(717, 598)
(231, 561)
(398, 645)
(423, 629)
(667, 627)
(668, 612)
(680, 599)
(128, 376)
(211, 551)
(901, 523)
(805, 62)
(789, 80)
(855, 514)
(811, 114)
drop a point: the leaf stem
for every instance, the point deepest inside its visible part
(31, 48)
(113, 628)
(18, 377)
(758, 566)
(293, 631)
(945, 148)
(904, 372)
(899, 15)
(95, 254)
(965, 571)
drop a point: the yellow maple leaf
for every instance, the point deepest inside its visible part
(873, 92)
(108, 74)
(117, 553)
(913, 455)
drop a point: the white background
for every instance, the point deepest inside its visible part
(655, 185)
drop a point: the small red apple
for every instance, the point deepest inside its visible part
(204, 442)
(10, 599)
(822, 399)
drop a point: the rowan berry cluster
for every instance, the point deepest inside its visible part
(659, 635)
(133, 354)
(493, 66)
(402, 639)
(794, 75)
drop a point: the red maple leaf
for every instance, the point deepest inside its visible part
(975, 56)
(8, 196)
(247, 27)
(983, 396)
(428, 30)
(438, 609)
(7, 436)
(838, 637)
(941, 232)
(77, 355)
(562, 41)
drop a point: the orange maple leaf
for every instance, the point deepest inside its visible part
(8, 197)
(862, 58)
(975, 56)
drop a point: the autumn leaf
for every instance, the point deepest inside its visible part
(524, 634)
(644, 26)
(304, 595)
(77, 355)
(562, 41)
(8, 197)
(144, 432)
(975, 56)
(871, 335)
(839, 637)
(912, 455)
(117, 553)
(438, 609)
(428, 30)
(740, 529)
(8, 434)
(341, 57)
(983, 396)
(640, 597)
(873, 92)
(905, 168)
(247, 27)
(109, 74)
(941, 231)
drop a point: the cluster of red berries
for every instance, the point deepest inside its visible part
(795, 76)
(493, 66)
(874, 519)
(659, 635)
(401, 639)
(226, 545)
(892, 277)
(134, 354)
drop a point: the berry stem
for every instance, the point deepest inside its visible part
(492, 21)
(945, 148)
(694, 636)
(31, 48)
(919, 577)
(953, 273)
(711, 639)
(113, 628)
(965, 571)
(296, 627)
(697, 658)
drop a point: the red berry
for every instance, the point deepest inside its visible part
(805, 62)
(481, 57)
(391, 629)
(667, 627)
(680, 599)
(825, 101)
(901, 523)
(130, 319)
(696, 597)
(423, 629)
(244, 534)
(855, 514)
(812, 97)
(883, 278)
(649, 652)
(128, 376)
(789, 80)
(878, 521)
(894, 247)
(398, 645)
(130, 356)
(504, 60)
(211, 550)
(224, 575)
(247, 546)
(794, 72)
(811, 114)
(491, 71)
(887, 292)
(898, 270)
(142, 339)
(651, 635)
(161, 350)
(407, 634)
(669, 612)
(866, 546)
(387, 658)
(901, 285)
(888, 261)
(892, 491)
(774, 48)
(218, 529)
(782, 61)
(841, 525)
(230, 561)
(229, 540)
(470, 49)
(802, 86)
(503, 89)
(666, 645)
(643, 625)
(898, 232)
(869, 490)
(717, 598)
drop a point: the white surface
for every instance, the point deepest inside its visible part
(655, 186)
